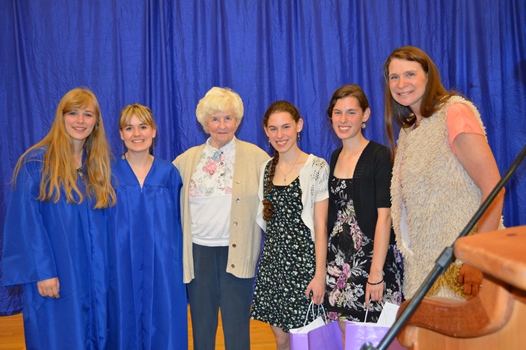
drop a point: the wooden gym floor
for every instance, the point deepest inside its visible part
(12, 334)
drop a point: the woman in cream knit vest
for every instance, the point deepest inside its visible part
(443, 170)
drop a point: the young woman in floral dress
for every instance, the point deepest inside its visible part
(363, 265)
(293, 213)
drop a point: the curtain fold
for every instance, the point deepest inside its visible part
(167, 54)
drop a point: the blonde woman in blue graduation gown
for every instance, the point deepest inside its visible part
(55, 229)
(147, 297)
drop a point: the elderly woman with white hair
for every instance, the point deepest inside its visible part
(221, 239)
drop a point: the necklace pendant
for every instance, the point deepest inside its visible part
(285, 178)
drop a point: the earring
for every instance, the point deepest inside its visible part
(364, 125)
(269, 142)
(299, 137)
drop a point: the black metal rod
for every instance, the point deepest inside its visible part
(444, 260)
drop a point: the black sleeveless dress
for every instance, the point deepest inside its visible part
(287, 263)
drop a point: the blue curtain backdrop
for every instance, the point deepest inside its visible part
(168, 54)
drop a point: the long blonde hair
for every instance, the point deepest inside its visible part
(59, 169)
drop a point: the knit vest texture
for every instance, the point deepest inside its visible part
(433, 198)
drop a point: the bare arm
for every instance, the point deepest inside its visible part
(476, 157)
(317, 285)
(382, 236)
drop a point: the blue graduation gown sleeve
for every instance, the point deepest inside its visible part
(28, 256)
(65, 240)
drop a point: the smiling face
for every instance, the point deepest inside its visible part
(222, 126)
(282, 131)
(407, 83)
(79, 123)
(137, 136)
(347, 117)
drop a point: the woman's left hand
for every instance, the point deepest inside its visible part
(317, 287)
(373, 291)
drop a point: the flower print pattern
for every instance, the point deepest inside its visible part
(214, 174)
(349, 259)
(210, 167)
(346, 218)
(287, 263)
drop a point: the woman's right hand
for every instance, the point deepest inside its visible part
(316, 290)
(49, 288)
(373, 293)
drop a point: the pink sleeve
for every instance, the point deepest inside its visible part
(460, 119)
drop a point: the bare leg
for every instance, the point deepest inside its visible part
(342, 328)
(282, 338)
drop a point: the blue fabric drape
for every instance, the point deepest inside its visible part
(167, 54)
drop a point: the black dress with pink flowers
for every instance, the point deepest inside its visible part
(350, 248)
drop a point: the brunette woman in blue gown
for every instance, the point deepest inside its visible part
(56, 229)
(147, 297)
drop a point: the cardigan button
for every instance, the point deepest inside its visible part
(233, 245)
(238, 181)
(235, 223)
(232, 266)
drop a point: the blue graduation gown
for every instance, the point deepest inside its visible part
(65, 240)
(147, 302)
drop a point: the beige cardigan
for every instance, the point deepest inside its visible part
(245, 234)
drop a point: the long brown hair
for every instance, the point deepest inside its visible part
(59, 169)
(434, 95)
(276, 107)
(351, 90)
